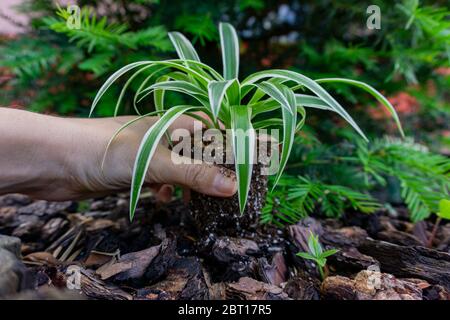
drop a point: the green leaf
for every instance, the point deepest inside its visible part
(243, 137)
(301, 100)
(444, 209)
(123, 127)
(159, 94)
(125, 87)
(147, 149)
(286, 98)
(178, 86)
(216, 93)
(306, 255)
(311, 85)
(371, 90)
(230, 51)
(183, 46)
(321, 262)
(278, 93)
(113, 78)
(329, 253)
(311, 245)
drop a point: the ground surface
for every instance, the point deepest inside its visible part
(91, 248)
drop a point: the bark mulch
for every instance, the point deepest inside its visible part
(90, 250)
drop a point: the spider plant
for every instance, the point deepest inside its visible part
(228, 101)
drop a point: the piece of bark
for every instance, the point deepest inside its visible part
(250, 289)
(53, 228)
(96, 259)
(399, 237)
(233, 258)
(47, 293)
(95, 288)
(349, 260)
(415, 262)
(436, 292)
(29, 226)
(302, 287)
(344, 237)
(42, 258)
(371, 285)
(275, 272)
(43, 208)
(184, 281)
(300, 232)
(100, 224)
(14, 199)
(160, 265)
(129, 266)
(420, 232)
(226, 249)
(7, 215)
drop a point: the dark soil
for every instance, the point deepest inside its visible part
(221, 216)
(158, 256)
(215, 216)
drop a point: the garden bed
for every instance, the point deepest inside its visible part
(93, 245)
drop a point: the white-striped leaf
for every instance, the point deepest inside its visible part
(116, 75)
(183, 46)
(147, 149)
(216, 94)
(372, 91)
(278, 93)
(229, 43)
(178, 86)
(243, 137)
(123, 127)
(286, 98)
(311, 85)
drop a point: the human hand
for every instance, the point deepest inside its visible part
(56, 158)
(163, 172)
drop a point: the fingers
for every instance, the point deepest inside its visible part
(208, 179)
(163, 193)
(191, 124)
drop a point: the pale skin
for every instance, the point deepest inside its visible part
(57, 159)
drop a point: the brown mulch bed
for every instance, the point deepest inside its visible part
(90, 250)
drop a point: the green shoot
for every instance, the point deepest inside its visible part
(317, 254)
(443, 213)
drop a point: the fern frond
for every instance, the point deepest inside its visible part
(299, 197)
(102, 35)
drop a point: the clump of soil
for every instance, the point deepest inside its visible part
(216, 216)
(221, 216)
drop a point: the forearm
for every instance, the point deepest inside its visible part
(49, 157)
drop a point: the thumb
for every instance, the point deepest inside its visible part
(203, 178)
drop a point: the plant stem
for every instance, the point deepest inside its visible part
(433, 233)
(322, 276)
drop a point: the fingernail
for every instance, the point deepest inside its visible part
(223, 184)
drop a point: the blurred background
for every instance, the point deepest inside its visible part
(47, 67)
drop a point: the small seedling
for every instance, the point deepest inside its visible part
(317, 254)
(444, 213)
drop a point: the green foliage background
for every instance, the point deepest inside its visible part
(51, 68)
